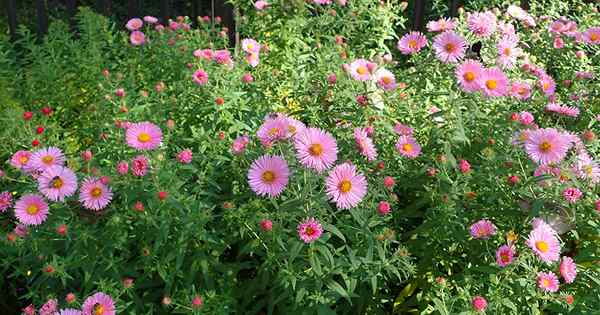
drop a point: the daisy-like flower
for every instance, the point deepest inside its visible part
(504, 255)
(568, 269)
(49, 308)
(592, 36)
(345, 186)
(316, 149)
(564, 110)
(134, 24)
(493, 82)
(57, 182)
(572, 194)
(482, 24)
(222, 57)
(467, 74)
(479, 304)
(360, 70)
(544, 243)
(482, 229)
(137, 38)
(150, 19)
(403, 130)
(139, 166)
(412, 43)
(69, 311)
(31, 209)
(547, 145)
(185, 156)
(200, 77)
(239, 144)
(310, 230)
(252, 59)
(449, 47)
(408, 147)
(364, 144)
(99, 304)
(586, 168)
(268, 175)
(547, 281)
(441, 25)
(520, 90)
(250, 46)
(94, 195)
(507, 53)
(42, 159)
(20, 159)
(273, 129)
(143, 136)
(547, 84)
(5, 201)
(294, 126)
(385, 79)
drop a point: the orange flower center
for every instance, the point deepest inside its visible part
(542, 246)
(47, 159)
(32, 209)
(491, 84)
(546, 85)
(315, 149)
(386, 80)
(143, 137)
(546, 283)
(361, 70)
(450, 48)
(545, 146)
(309, 231)
(594, 37)
(268, 177)
(469, 76)
(23, 160)
(96, 192)
(407, 147)
(507, 51)
(57, 183)
(345, 186)
(522, 91)
(504, 257)
(412, 44)
(99, 309)
(292, 129)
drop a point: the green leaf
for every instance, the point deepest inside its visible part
(333, 285)
(334, 230)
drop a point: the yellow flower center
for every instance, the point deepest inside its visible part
(522, 91)
(345, 186)
(450, 48)
(309, 231)
(23, 160)
(469, 76)
(412, 44)
(491, 84)
(386, 80)
(292, 129)
(57, 183)
(143, 137)
(32, 209)
(47, 159)
(504, 257)
(594, 37)
(507, 51)
(542, 246)
(407, 147)
(96, 192)
(98, 309)
(588, 169)
(315, 149)
(273, 131)
(546, 85)
(268, 177)
(545, 146)
(250, 46)
(361, 70)
(546, 283)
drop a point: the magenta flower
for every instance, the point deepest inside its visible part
(122, 168)
(544, 243)
(239, 144)
(547, 84)
(572, 194)
(252, 59)
(99, 303)
(385, 79)
(69, 311)
(468, 74)
(137, 38)
(482, 229)
(586, 168)
(507, 53)
(359, 70)
(139, 166)
(185, 156)
(143, 136)
(504, 255)
(42, 159)
(57, 182)
(20, 159)
(250, 46)
(403, 130)
(316, 149)
(5, 201)
(150, 19)
(134, 24)
(268, 175)
(31, 209)
(49, 308)
(345, 186)
(568, 269)
(493, 82)
(441, 25)
(310, 230)
(592, 36)
(408, 147)
(200, 77)
(94, 195)
(547, 281)
(222, 57)
(563, 110)
(273, 129)
(412, 43)
(449, 47)
(526, 118)
(364, 144)
(479, 304)
(482, 24)
(545, 146)
(520, 90)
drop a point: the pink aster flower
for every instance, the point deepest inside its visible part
(57, 182)
(94, 195)
(547, 145)
(20, 159)
(137, 38)
(49, 308)
(316, 149)
(223, 57)
(31, 209)
(586, 168)
(150, 19)
(564, 110)
(273, 129)
(385, 79)
(507, 53)
(122, 168)
(547, 281)
(592, 36)
(294, 126)
(547, 84)
(99, 303)
(403, 130)
(346, 186)
(479, 304)
(322, 2)
(200, 77)
(206, 54)
(250, 46)
(520, 90)
(139, 166)
(572, 194)
(408, 147)
(482, 229)
(468, 74)
(441, 25)
(252, 59)
(268, 175)
(568, 269)
(449, 47)
(45, 158)
(412, 43)
(310, 230)
(544, 243)
(493, 82)
(134, 24)
(5, 201)
(464, 166)
(143, 136)
(359, 70)
(239, 144)
(260, 5)
(364, 144)
(185, 156)
(69, 311)
(482, 24)
(526, 118)
(504, 255)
